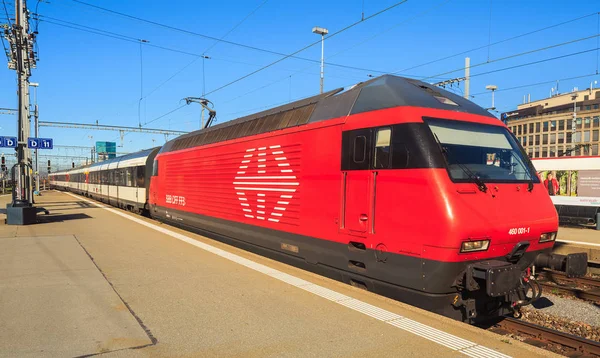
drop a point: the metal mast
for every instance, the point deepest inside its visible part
(22, 59)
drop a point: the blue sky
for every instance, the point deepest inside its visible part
(85, 77)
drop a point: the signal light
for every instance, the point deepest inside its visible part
(471, 246)
(547, 237)
(72, 165)
(3, 166)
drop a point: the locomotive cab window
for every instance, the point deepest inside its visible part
(381, 158)
(483, 152)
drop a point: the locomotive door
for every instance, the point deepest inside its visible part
(356, 181)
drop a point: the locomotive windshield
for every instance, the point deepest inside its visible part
(481, 153)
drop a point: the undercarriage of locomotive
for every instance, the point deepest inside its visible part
(494, 288)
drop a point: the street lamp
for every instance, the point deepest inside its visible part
(492, 88)
(574, 127)
(321, 31)
(35, 85)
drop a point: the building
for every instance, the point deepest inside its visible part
(547, 128)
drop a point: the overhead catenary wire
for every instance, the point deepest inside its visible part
(189, 32)
(290, 55)
(497, 42)
(235, 26)
(536, 62)
(517, 55)
(7, 14)
(535, 84)
(208, 49)
(456, 70)
(135, 40)
(306, 47)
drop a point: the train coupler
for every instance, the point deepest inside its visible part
(573, 265)
(499, 278)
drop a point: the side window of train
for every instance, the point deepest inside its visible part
(356, 149)
(381, 159)
(129, 176)
(155, 168)
(139, 180)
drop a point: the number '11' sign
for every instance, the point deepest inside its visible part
(40, 143)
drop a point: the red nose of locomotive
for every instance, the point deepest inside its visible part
(507, 243)
(500, 217)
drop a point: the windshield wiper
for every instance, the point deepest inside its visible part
(473, 177)
(530, 181)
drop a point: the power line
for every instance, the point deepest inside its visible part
(518, 55)
(6, 11)
(497, 42)
(236, 26)
(166, 114)
(391, 28)
(227, 41)
(305, 47)
(536, 62)
(208, 49)
(536, 84)
(114, 35)
(5, 49)
(348, 48)
(135, 40)
(285, 56)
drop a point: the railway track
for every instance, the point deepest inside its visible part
(563, 343)
(558, 282)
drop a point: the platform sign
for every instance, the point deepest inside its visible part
(40, 143)
(8, 142)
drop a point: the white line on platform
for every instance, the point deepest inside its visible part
(578, 242)
(434, 335)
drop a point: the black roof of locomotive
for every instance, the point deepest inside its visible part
(379, 93)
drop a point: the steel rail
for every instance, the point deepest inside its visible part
(574, 345)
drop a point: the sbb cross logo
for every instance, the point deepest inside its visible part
(265, 183)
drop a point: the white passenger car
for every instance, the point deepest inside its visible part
(121, 182)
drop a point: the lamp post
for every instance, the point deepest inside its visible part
(36, 116)
(321, 31)
(574, 127)
(492, 88)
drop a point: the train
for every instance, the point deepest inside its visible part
(577, 198)
(391, 185)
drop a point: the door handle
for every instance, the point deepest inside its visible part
(363, 217)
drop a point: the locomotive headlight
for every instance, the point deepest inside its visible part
(547, 237)
(479, 245)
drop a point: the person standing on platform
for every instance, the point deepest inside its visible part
(551, 185)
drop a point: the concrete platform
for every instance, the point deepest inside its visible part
(200, 298)
(51, 291)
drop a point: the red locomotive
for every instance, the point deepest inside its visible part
(393, 185)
